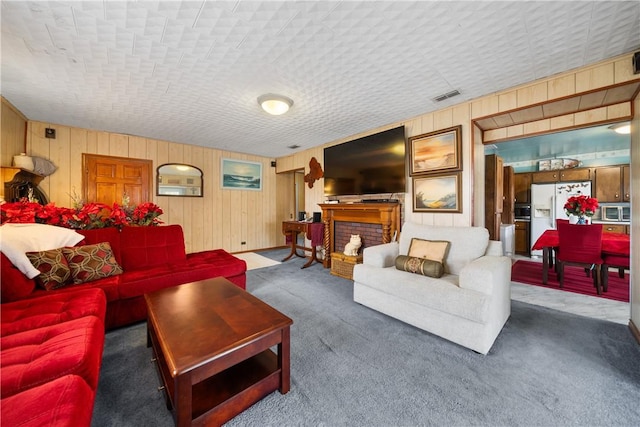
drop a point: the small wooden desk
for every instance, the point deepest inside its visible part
(314, 231)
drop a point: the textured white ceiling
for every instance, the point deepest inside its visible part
(191, 71)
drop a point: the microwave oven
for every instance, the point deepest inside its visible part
(615, 213)
(522, 211)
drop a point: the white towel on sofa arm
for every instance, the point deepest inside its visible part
(18, 239)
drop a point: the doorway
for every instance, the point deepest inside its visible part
(593, 147)
(298, 189)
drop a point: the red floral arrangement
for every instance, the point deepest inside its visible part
(83, 216)
(581, 206)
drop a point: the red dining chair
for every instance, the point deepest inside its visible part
(580, 245)
(554, 251)
(617, 261)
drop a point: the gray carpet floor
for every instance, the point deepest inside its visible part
(352, 366)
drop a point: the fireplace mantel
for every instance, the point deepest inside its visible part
(385, 214)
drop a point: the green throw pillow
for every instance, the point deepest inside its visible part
(426, 267)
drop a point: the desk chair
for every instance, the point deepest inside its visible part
(580, 245)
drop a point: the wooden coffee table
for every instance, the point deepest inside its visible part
(212, 341)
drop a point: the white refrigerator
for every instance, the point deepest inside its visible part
(547, 205)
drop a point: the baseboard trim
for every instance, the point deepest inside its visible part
(634, 330)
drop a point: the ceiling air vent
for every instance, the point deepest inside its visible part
(294, 146)
(446, 95)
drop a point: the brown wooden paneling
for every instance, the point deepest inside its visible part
(13, 133)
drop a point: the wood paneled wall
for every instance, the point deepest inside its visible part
(13, 134)
(227, 218)
(613, 71)
(219, 219)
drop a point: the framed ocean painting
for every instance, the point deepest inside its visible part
(241, 175)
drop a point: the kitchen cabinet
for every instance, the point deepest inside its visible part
(614, 228)
(522, 187)
(612, 184)
(562, 175)
(522, 238)
(493, 195)
(626, 183)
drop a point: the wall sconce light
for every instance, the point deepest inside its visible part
(275, 104)
(621, 128)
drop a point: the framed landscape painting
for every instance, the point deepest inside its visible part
(437, 193)
(436, 152)
(241, 175)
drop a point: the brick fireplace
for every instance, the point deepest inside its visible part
(375, 222)
(371, 234)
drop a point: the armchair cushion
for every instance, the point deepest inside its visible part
(468, 243)
(426, 267)
(435, 250)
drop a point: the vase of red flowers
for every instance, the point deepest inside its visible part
(580, 208)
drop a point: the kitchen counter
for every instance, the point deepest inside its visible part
(597, 221)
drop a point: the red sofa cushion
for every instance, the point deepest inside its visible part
(64, 402)
(35, 313)
(109, 285)
(13, 284)
(32, 358)
(218, 260)
(144, 247)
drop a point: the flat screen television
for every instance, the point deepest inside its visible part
(374, 164)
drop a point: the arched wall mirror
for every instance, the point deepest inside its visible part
(175, 179)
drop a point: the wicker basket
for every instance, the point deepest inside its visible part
(342, 265)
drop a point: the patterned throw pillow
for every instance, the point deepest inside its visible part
(426, 267)
(53, 267)
(91, 262)
(435, 250)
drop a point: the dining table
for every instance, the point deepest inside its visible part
(612, 244)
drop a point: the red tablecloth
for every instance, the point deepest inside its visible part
(612, 243)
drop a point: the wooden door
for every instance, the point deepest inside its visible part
(493, 195)
(508, 214)
(107, 179)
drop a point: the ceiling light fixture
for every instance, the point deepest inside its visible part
(621, 128)
(275, 104)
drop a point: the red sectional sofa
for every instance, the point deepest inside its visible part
(51, 341)
(152, 258)
(51, 351)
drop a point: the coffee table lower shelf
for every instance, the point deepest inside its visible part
(229, 392)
